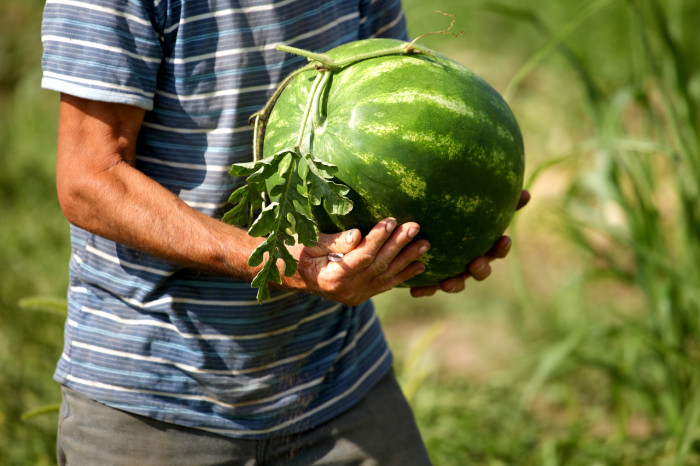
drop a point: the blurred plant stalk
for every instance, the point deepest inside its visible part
(636, 211)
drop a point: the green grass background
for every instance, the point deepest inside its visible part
(581, 349)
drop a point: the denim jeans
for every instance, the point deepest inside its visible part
(380, 430)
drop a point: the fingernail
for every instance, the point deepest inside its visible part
(506, 249)
(390, 225)
(481, 271)
(349, 236)
(479, 268)
(413, 231)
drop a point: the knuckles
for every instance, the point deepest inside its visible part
(380, 267)
(364, 261)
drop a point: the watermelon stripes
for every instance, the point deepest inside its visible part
(418, 137)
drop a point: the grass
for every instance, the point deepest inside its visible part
(633, 208)
(34, 241)
(34, 255)
(583, 347)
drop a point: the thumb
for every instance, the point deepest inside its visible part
(339, 243)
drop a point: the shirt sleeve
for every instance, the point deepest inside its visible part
(382, 18)
(102, 50)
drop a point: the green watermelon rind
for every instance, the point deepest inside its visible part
(416, 137)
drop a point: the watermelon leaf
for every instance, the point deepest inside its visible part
(280, 191)
(245, 200)
(266, 220)
(322, 188)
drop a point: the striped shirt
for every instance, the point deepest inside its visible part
(173, 343)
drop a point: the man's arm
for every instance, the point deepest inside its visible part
(101, 191)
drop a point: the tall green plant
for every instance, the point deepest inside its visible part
(635, 210)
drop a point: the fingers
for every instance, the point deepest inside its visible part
(424, 291)
(479, 268)
(500, 249)
(376, 238)
(524, 199)
(396, 254)
(383, 251)
(385, 257)
(388, 280)
(339, 243)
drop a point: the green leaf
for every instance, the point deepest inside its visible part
(292, 182)
(238, 215)
(263, 293)
(263, 277)
(245, 200)
(322, 188)
(305, 228)
(274, 246)
(47, 409)
(51, 305)
(303, 169)
(249, 197)
(283, 163)
(325, 169)
(244, 169)
(258, 254)
(290, 264)
(266, 221)
(239, 194)
(267, 167)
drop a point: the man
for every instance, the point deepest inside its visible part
(168, 358)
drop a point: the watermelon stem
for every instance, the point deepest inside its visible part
(257, 128)
(327, 64)
(259, 118)
(316, 104)
(314, 90)
(334, 66)
(312, 56)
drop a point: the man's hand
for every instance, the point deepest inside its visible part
(363, 267)
(479, 268)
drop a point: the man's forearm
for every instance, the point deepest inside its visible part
(100, 190)
(127, 207)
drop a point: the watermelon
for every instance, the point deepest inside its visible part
(418, 137)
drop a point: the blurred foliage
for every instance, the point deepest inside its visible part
(20, 41)
(599, 292)
(35, 249)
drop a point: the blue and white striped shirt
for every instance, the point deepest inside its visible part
(178, 344)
